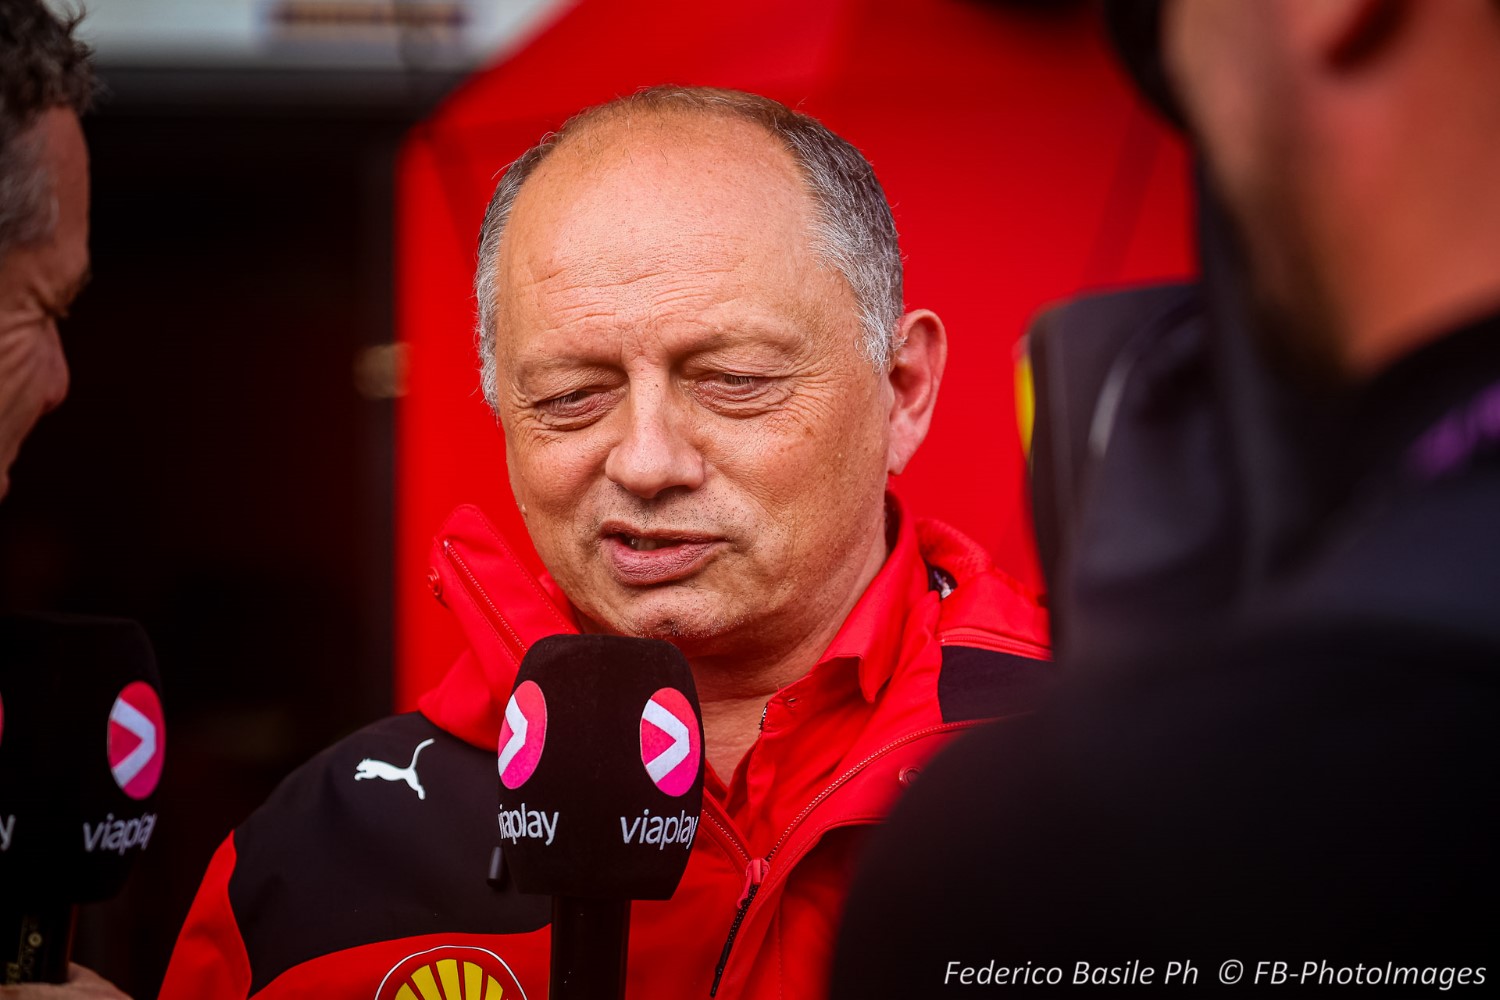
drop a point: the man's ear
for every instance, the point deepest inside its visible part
(916, 371)
(1343, 33)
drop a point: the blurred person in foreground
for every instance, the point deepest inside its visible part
(46, 82)
(1313, 784)
(693, 336)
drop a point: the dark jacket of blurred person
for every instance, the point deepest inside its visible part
(1306, 780)
(46, 82)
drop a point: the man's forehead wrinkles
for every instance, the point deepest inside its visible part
(562, 263)
(580, 318)
(602, 278)
(628, 256)
(570, 300)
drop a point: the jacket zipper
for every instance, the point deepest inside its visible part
(758, 869)
(502, 629)
(755, 873)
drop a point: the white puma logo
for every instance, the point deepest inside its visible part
(380, 769)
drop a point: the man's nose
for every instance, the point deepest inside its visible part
(656, 453)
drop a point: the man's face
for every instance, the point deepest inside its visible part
(696, 442)
(1237, 75)
(37, 285)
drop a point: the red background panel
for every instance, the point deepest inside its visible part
(1021, 167)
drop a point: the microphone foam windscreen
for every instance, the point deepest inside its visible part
(601, 768)
(81, 746)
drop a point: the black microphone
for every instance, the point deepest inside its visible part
(81, 747)
(601, 788)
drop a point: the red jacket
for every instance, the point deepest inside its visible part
(345, 887)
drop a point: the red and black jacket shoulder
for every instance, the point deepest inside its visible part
(348, 852)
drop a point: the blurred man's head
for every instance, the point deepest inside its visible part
(1357, 145)
(692, 334)
(45, 83)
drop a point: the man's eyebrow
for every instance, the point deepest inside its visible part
(548, 364)
(754, 333)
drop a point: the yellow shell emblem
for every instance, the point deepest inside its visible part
(448, 979)
(451, 972)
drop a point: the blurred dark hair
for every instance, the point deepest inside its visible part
(42, 66)
(1134, 27)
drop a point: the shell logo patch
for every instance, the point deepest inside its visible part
(450, 972)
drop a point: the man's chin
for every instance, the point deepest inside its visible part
(686, 623)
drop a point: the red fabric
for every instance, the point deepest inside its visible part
(1021, 168)
(209, 958)
(504, 606)
(353, 972)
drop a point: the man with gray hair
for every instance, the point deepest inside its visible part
(45, 84)
(692, 334)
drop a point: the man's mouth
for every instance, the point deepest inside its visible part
(645, 544)
(639, 558)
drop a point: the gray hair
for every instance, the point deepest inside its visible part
(41, 67)
(853, 231)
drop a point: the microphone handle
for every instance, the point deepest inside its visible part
(589, 941)
(37, 943)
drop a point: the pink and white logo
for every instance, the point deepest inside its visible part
(522, 735)
(670, 746)
(137, 740)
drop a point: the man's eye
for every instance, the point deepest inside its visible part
(559, 403)
(734, 394)
(576, 409)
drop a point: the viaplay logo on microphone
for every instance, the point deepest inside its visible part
(137, 740)
(669, 741)
(136, 747)
(670, 752)
(523, 735)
